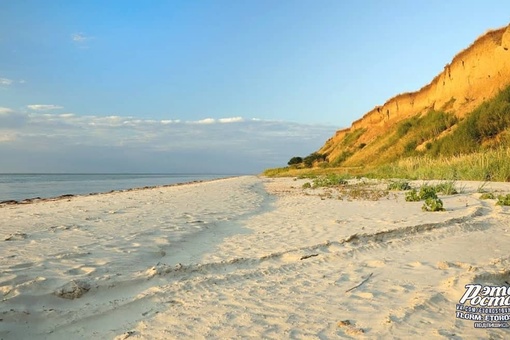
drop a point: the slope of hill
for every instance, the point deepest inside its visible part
(419, 122)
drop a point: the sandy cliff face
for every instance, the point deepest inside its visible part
(476, 74)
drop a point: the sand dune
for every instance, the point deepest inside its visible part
(248, 257)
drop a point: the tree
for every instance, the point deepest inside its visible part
(295, 160)
(313, 157)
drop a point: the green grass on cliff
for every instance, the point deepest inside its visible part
(491, 165)
(435, 145)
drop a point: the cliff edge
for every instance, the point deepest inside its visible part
(475, 75)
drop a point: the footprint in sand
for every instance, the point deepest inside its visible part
(22, 266)
(444, 265)
(415, 264)
(81, 271)
(365, 295)
(375, 264)
(16, 237)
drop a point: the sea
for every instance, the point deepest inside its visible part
(26, 186)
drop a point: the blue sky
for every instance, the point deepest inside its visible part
(232, 85)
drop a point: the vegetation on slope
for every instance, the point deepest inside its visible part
(433, 145)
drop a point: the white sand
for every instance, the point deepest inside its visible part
(229, 259)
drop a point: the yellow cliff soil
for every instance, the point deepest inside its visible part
(475, 74)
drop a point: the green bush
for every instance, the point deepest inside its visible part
(295, 160)
(412, 196)
(410, 147)
(503, 200)
(487, 196)
(307, 185)
(404, 128)
(427, 191)
(432, 204)
(312, 158)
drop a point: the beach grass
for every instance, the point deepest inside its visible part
(490, 165)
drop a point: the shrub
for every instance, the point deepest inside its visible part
(312, 158)
(412, 196)
(410, 147)
(404, 128)
(295, 160)
(427, 191)
(432, 204)
(487, 196)
(503, 200)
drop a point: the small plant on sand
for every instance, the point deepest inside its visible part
(481, 188)
(361, 191)
(432, 204)
(447, 188)
(399, 185)
(503, 200)
(307, 185)
(427, 191)
(329, 181)
(487, 196)
(412, 196)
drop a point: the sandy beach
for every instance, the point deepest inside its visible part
(250, 257)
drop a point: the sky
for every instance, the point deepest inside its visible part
(211, 85)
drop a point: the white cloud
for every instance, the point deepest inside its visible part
(169, 121)
(7, 137)
(231, 120)
(205, 121)
(43, 107)
(100, 143)
(81, 39)
(5, 81)
(5, 110)
(220, 120)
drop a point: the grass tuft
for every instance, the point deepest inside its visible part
(399, 185)
(487, 196)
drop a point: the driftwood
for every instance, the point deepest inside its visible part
(362, 282)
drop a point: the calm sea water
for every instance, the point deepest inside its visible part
(22, 186)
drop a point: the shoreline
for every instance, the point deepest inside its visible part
(249, 257)
(31, 200)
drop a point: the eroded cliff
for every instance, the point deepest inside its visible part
(474, 75)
